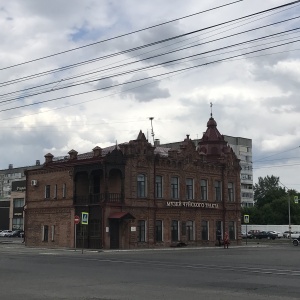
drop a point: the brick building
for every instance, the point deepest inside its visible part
(136, 195)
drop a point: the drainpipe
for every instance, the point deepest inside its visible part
(223, 198)
(103, 206)
(25, 208)
(154, 199)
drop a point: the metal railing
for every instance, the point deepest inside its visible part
(99, 198)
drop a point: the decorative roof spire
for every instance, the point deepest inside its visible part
(211, 109)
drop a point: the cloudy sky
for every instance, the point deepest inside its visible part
(76, 74)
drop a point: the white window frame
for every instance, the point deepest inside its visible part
(234, 229)
(64, 190)
(55, 191)
(218, 187)
(47, 189)
(231, 196)
(162, 231)
(161, 187)
(173, 196)
(52, 233)
(189, 188)
(178, 230)
(141, 189)
(205, 198)
(145, 233)
(43, 233)
(193, 230)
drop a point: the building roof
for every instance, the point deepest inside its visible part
(212, 133)
(212, 142)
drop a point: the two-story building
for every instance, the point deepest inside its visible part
(136, 195)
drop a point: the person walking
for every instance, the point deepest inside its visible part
(226, 240)
(219, 235)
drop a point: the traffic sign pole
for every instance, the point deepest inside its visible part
(75, 229)
(246, 221)
(82, 240)
(76, 221)
(84, 221)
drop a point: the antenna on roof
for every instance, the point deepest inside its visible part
(152, 132)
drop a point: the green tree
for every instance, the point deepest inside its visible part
(267, 190)
(254, 214)
(271, 203)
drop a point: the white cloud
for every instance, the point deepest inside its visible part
(254, 97)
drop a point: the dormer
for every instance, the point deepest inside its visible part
(97, 151)
(73, 154)
(48, 158)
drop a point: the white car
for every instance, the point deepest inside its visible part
(5, 232)
(295, 234)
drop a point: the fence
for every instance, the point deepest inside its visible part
(279, 228)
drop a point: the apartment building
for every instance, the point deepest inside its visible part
(12, 196)
(243, 149)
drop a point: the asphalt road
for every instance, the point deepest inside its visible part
(256, 271)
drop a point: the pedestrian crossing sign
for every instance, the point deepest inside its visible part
(296, 199)
(246, 219)
(84, 218)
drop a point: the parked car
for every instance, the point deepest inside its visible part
(266, 235)
(247, 235)
(286, 234)
(279, 234)
(296, 242)
(253, 232)
(295, 234)
(17, 233)
(5, 233)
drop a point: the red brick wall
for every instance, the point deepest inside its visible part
(57, 212)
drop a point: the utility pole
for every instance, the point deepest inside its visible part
(290, 228)
(289, 205)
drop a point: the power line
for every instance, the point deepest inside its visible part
(55, 89)
(276, 166)
(154, 76)
(251, 15)
(129, 89)
(152, 66)
(32, 76)
(129, 33)
(148, 58)
(283, 158)
(276, 154)
(231, 58)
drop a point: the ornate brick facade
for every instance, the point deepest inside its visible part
(137, 195)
